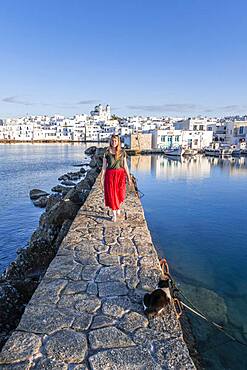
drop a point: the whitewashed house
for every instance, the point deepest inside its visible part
(194, 124)
(239, 132)
(196, 139)
(92, 132)
(166, 138)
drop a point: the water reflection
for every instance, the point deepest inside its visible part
(196, 211)
(197, 167)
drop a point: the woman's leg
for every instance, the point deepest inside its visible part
(119, 210)
(114, 217)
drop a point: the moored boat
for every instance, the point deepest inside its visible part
(218, 150)
(177, 151)
(236, 152)
(190, 152)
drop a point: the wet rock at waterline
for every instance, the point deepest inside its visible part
(63, 177)
(60, 189)
(91, 150)
(68, 183)
(41, 201)
(93, 163)
(72, 176)
(37, 193)
(78, 165)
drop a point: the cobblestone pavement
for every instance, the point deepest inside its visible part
(87, 311)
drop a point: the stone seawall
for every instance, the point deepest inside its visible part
(87, 311)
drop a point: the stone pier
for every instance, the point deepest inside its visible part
(87, 311)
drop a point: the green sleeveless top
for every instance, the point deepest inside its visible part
(111, 162)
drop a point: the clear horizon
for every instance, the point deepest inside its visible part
(161, 59)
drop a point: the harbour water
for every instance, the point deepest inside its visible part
(196, 212)
(24, 167)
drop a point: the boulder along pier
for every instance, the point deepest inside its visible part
(86, 311)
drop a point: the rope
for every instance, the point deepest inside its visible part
(194, 309)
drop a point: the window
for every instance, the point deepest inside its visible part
(176, 138)
(241, 130)
(201, 127)
(195, 127)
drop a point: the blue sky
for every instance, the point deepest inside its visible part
(160, 57)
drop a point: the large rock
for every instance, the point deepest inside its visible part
(92, 175)
(93, 163)
(60, 189)
(63, 177)
(41, 201)
(82, 170)
(76, 196)
(71, 176)
(37, 193)
(91, 150)
(74, 175)
(52, 200)
(68, 183)
(10, 299)
(60, 212)
(100, 151)
(78, 165)
(83, 185)
(62, 233)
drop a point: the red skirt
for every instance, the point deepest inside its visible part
(114, 187)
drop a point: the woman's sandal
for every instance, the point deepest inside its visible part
(113, 219)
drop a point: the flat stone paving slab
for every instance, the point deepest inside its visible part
(87, 312)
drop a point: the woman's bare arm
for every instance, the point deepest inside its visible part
(102, 176)
(127, 170)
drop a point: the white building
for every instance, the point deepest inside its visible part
(166, 138)
(92, 132)
(101, 113)
(194, 124)
(187, 139)
(239, 132)
(196, 139)
(79, 133)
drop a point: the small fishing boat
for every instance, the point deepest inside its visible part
(209, 151)
(190, 152)
(218, 150)
(236, 152)
(174, 152)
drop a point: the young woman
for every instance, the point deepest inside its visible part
(113, 176)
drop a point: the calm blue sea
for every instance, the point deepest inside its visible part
(196, 212)
(22, 168)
